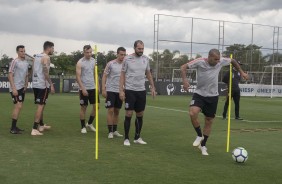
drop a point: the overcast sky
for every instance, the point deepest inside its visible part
(113, 23)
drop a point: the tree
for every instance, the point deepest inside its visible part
(249, 55)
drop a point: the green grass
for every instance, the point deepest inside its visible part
(64, 155)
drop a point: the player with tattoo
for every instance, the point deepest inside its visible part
(42, 84)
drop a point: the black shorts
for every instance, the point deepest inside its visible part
(135, 100)
(91, 97)
(207, 104)
(113, 100)
(20, 97)
(40, 95)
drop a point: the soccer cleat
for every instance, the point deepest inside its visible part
(238, 118)
(116, 133)
(35, 132)
(111, 135)
(139, 141)
(126, 142)
(15, 131)
(44, 127)
(197, 141)
(203, 150)
(83, 130)
(91, 127)
(224, 117)
(19, 130)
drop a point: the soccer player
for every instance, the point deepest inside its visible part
(18, 77)
(110, 90)
(235, 92)
(41, 84)
(205, 98)
(85, 79)
(132, 89)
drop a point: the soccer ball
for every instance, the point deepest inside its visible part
(240, 155)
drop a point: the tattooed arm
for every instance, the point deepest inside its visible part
(46, 64)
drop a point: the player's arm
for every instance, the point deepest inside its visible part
(239, 69)
(150, 78)
(12, 84)
(104, 79)
(78, 79)
(121, 86)
(26, 82)
(45, 62)
(183, 70)
(11, 78)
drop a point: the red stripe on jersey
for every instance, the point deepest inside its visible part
(12, 65)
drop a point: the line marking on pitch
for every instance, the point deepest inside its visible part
(250, 121)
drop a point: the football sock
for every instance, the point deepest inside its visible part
(90, 120)
(138, 127)
(35, 125)
(14, 124)
(82, 121)
(126, 127)
(110, 127)
(41, 122)
(203, 143)
(199, 131)
(114, 128)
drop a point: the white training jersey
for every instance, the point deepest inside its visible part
(135, 68)
(19, 68)
(87, 72)
(207, 75)
(113, 70)
(38, 77)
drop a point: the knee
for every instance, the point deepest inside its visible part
(19, 106)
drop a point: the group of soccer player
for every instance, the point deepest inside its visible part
(123, 81)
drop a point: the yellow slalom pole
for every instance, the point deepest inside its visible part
(229, 104)
(96, 99)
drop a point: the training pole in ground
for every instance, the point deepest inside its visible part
(229, 104)
(96, 100)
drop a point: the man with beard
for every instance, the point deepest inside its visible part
(205, 97)
(41, 84)
(132, 89)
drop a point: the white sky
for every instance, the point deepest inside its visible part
(113, 23)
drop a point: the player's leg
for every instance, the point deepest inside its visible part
(40, 96)
(18, 103)
(110, 113)
(83, 107)
(196, 105)
(129, 107)
(236, 98)
(209, 111)
(139, 109)
(117, 107)
(225, 108)
(92, 101)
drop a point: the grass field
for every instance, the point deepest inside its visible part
(64, 155)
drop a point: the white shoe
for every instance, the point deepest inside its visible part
(203, 150)
(116, 133)
(91, 127)
(139, 141)
(126, 142)
(197, 141)
(35, 132)
(83, 130)
(44, 127)
(111, 135)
